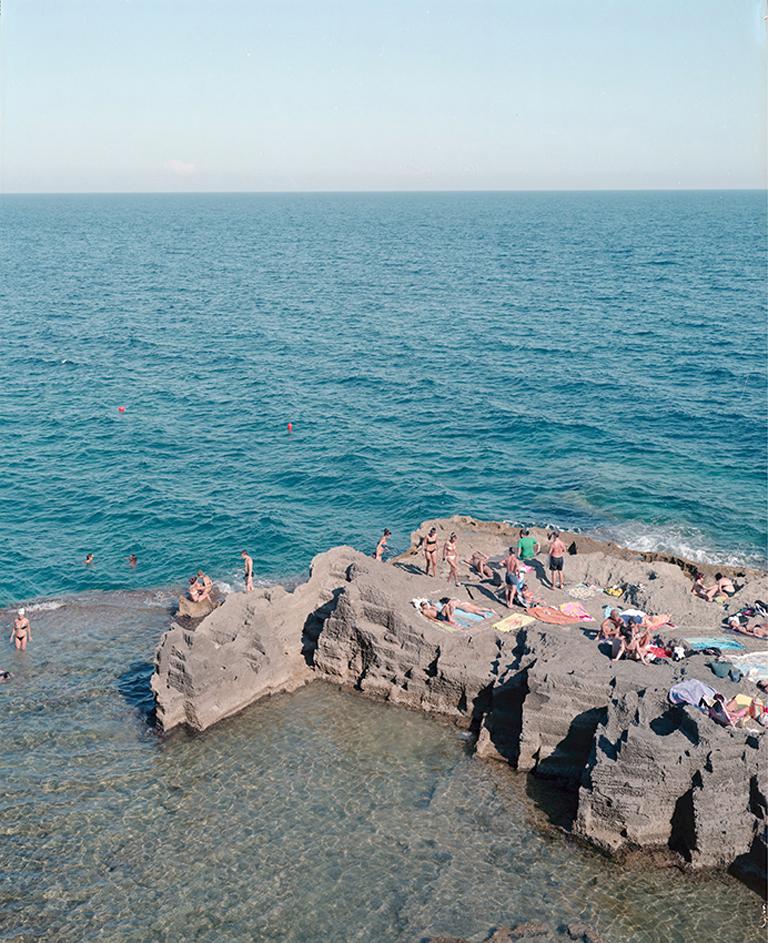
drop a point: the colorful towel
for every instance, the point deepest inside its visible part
(552, 616)
(700, 642)
(467, 619)
(582, 591)
(576, 610)
(516, 621)
(616, 591)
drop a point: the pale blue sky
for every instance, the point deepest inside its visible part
(144, 95)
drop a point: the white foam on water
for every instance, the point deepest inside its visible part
(679, 540)
(47, 606)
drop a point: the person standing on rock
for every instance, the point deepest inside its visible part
(430, 552)
(556, 553)
(381, 546)
(248, 567)
(451, 557)
(513, 578)
(527, 546)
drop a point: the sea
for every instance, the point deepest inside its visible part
(595, 361)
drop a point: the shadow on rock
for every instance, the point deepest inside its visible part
(135, 689)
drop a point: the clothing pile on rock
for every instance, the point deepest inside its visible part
(740, 711)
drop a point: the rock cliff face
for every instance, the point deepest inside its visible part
(543, 699)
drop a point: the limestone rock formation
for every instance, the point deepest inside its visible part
(545, 699)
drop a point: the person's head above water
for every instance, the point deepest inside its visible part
(89, 558)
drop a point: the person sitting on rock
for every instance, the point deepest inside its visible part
(479, 563)
(610, 627)
(723, 586)
(632, 641)
(206, 585)
(194, 590)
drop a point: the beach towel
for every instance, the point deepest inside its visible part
(516, 621)
(616, 591)
(552, 616)
(582, 591)
(576, 610)
(467, 619)
(754, 665)
(700, 642)
(657, 651)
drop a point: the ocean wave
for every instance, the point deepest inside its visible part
(46, 606)
(677, 539)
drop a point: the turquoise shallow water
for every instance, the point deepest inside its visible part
(594, 359)
(315, 817)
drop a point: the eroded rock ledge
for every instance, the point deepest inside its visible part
(543, 699)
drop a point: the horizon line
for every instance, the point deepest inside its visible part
(761, 189)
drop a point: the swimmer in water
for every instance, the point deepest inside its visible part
(133, 560)
(450, 556)
(248, 568)
(21, 631)
(381, 546)
(88, 559)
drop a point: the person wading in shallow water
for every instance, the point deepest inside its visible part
(248, 568)
(430, 552)
(381, 546)
(556, 552)
(21, 631)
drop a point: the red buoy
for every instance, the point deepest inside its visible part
(121, 409)
(290, 427)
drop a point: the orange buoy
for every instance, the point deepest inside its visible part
(290, 427)
(121, 409)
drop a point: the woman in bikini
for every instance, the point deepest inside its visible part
(450, 555)
(381, 546)
(430, 552)
(21, 631)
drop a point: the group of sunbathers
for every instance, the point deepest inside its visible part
(629, 634)
(723, 586)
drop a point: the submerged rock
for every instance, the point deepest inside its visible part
(545, 699)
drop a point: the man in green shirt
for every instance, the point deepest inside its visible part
(527, 546)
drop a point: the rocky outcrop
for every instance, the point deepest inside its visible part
(253, 645)
(544, 699)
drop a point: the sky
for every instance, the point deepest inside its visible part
(232, 95)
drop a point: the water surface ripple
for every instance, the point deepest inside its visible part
(313, 817)
(596, 359)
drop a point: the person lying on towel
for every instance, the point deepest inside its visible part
(447, 609)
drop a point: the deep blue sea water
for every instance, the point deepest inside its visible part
(592, 359)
